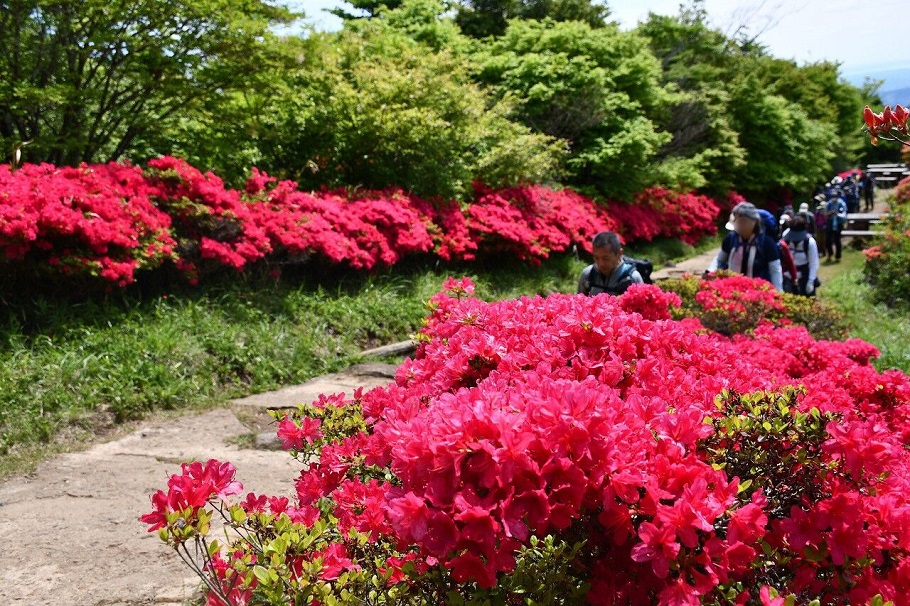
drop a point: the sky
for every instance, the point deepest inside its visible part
(867, 38)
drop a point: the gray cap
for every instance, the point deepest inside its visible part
(746, 209)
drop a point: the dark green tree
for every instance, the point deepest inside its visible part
(366, 9)
(482, 18)
(92, 80)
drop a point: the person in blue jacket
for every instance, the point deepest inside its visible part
(747, 249)
(836, 218)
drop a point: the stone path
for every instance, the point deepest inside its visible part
(71, 531)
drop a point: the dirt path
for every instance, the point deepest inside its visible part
(71, 534)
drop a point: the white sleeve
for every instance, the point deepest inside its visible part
(812, 251)
(777, 274)
(720, 261)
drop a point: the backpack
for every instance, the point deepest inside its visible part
(787, 262)
(643, 266)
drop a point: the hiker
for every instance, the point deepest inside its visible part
(835, 219)
(868, 192)
(821, 219)
(610, 272)
(788, 267)
(783, 222)
(851, 194)
(809, 216)
(747, 249)
(805, 256)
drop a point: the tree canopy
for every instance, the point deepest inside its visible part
(85, 80)
(425, 95)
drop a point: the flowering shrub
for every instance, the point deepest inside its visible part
(659, 212)
(570, 449)
(86, 221)
(731, 303)
(109, 221)
(890, 125)
(211, 223)
(531, 221)
(888, 262)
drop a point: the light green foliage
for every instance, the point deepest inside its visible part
(545, 573)
(886, 328)
(764, 440)
(599, 89)
(92, 80)
(888, 258)
(372, 107)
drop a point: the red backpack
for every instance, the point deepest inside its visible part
(786, 260)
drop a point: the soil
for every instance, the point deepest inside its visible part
(71, 530)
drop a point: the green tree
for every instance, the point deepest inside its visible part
(482, 18)
(87, 80)
(785, 147)
(698, 61)
(598, 89)
(367, 8)
(375, 106)
(758, 123)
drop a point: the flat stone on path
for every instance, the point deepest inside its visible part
(71, 531)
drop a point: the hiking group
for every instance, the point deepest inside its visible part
(786, 250)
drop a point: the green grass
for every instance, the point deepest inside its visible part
(71, 372)
(887, 329)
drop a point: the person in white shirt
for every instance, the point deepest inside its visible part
(805, 255)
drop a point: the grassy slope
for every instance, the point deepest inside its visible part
(887, 329)
(68, 373)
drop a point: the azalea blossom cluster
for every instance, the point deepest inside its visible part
(890, 125)
(588, 420)
(100, 220)
(730, 303)
(110, 221)
(658, 212)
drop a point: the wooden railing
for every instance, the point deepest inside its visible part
(887, 175)
(860, 225)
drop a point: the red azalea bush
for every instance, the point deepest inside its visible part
(111, 220)
(85, 221)
(570, 450)
(659, 212)
(730, 303)
(531, 221)
(212, 224)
